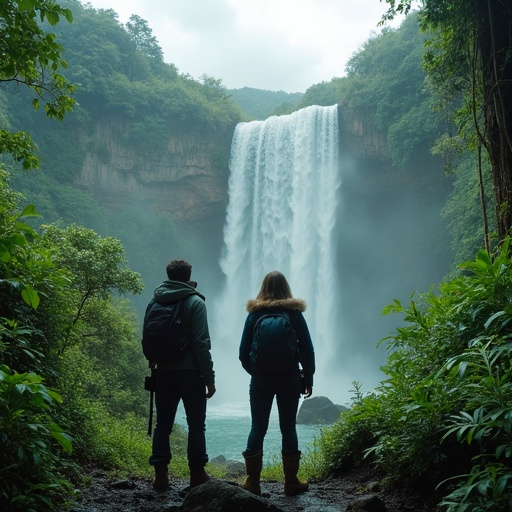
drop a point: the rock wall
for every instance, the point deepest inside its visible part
(358, 138)
(188, 178)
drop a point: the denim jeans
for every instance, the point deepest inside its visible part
(263, 387)
(171, 387)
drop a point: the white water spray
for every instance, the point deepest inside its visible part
(283, 195)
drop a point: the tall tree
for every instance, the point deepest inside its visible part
(473, 43)
(97, 267)
(143, 37)
(31, 56)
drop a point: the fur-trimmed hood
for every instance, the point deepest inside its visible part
(288, 304)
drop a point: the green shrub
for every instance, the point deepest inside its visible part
(343, 444)
(32, 470)
(442, 418)
(485, 426)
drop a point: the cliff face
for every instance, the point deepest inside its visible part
(358, 138)
(188, 178)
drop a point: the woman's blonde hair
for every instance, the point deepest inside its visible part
(274, 286)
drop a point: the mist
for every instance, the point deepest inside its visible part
(383, 240)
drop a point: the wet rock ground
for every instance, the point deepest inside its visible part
(358, 490)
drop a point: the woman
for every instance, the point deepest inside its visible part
(275, 298)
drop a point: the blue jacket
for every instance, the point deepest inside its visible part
(294, 308)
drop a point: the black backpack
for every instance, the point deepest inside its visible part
(164, 336)
(274, 347)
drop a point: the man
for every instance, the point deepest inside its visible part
(190, 378)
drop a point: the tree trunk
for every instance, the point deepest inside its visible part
(495, 43)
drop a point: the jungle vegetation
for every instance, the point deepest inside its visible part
(70, 364)
(442, 417)
(259, 104)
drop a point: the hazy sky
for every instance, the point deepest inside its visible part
(284, 45)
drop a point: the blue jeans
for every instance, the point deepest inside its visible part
(171, 387)
(262, 389)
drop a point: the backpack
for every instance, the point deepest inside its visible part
(163, 336)
(274, 347)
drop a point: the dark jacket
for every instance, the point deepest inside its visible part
(198, 356)
(294, 308)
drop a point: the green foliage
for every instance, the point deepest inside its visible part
(468, 58)
(20, 146)
(111, 353)
(31, 56)
(342, 445)
(27, 278)
(443, 415)
(96, 267)
(486, 373)
(385, 82)
(54, 286)
(260, 104)
(312, 461)
(97, 264)
(31, 474)
(463, 209)
(325, 93)
(143, 37)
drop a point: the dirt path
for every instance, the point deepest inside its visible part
(332, 495)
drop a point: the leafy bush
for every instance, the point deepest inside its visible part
(443, 415)
(342, 445)
(32, 471)
(486, 425)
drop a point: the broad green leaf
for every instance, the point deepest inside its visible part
(52, 17)
(30, 296)
(29, 211)
(5, 254)
(64, 439)
(26, 5)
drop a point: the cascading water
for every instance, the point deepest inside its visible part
(283, 195)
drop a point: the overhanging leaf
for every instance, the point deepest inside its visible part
(30, 296)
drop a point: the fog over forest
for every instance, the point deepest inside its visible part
(387, 242)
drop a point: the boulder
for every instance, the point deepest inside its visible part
(220, 496)
(318, 410)
(367, 504)
(220, 460)
(234, 468)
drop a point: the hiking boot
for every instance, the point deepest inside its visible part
(292, 485)
(253, 465)
(161, 482)
(198, 477)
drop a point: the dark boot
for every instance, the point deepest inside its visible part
(198, 477)
(161, 483)
(292, 485)
(253, 465)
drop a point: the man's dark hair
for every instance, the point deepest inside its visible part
(179, 270)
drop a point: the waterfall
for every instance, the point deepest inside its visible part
(283, 196)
